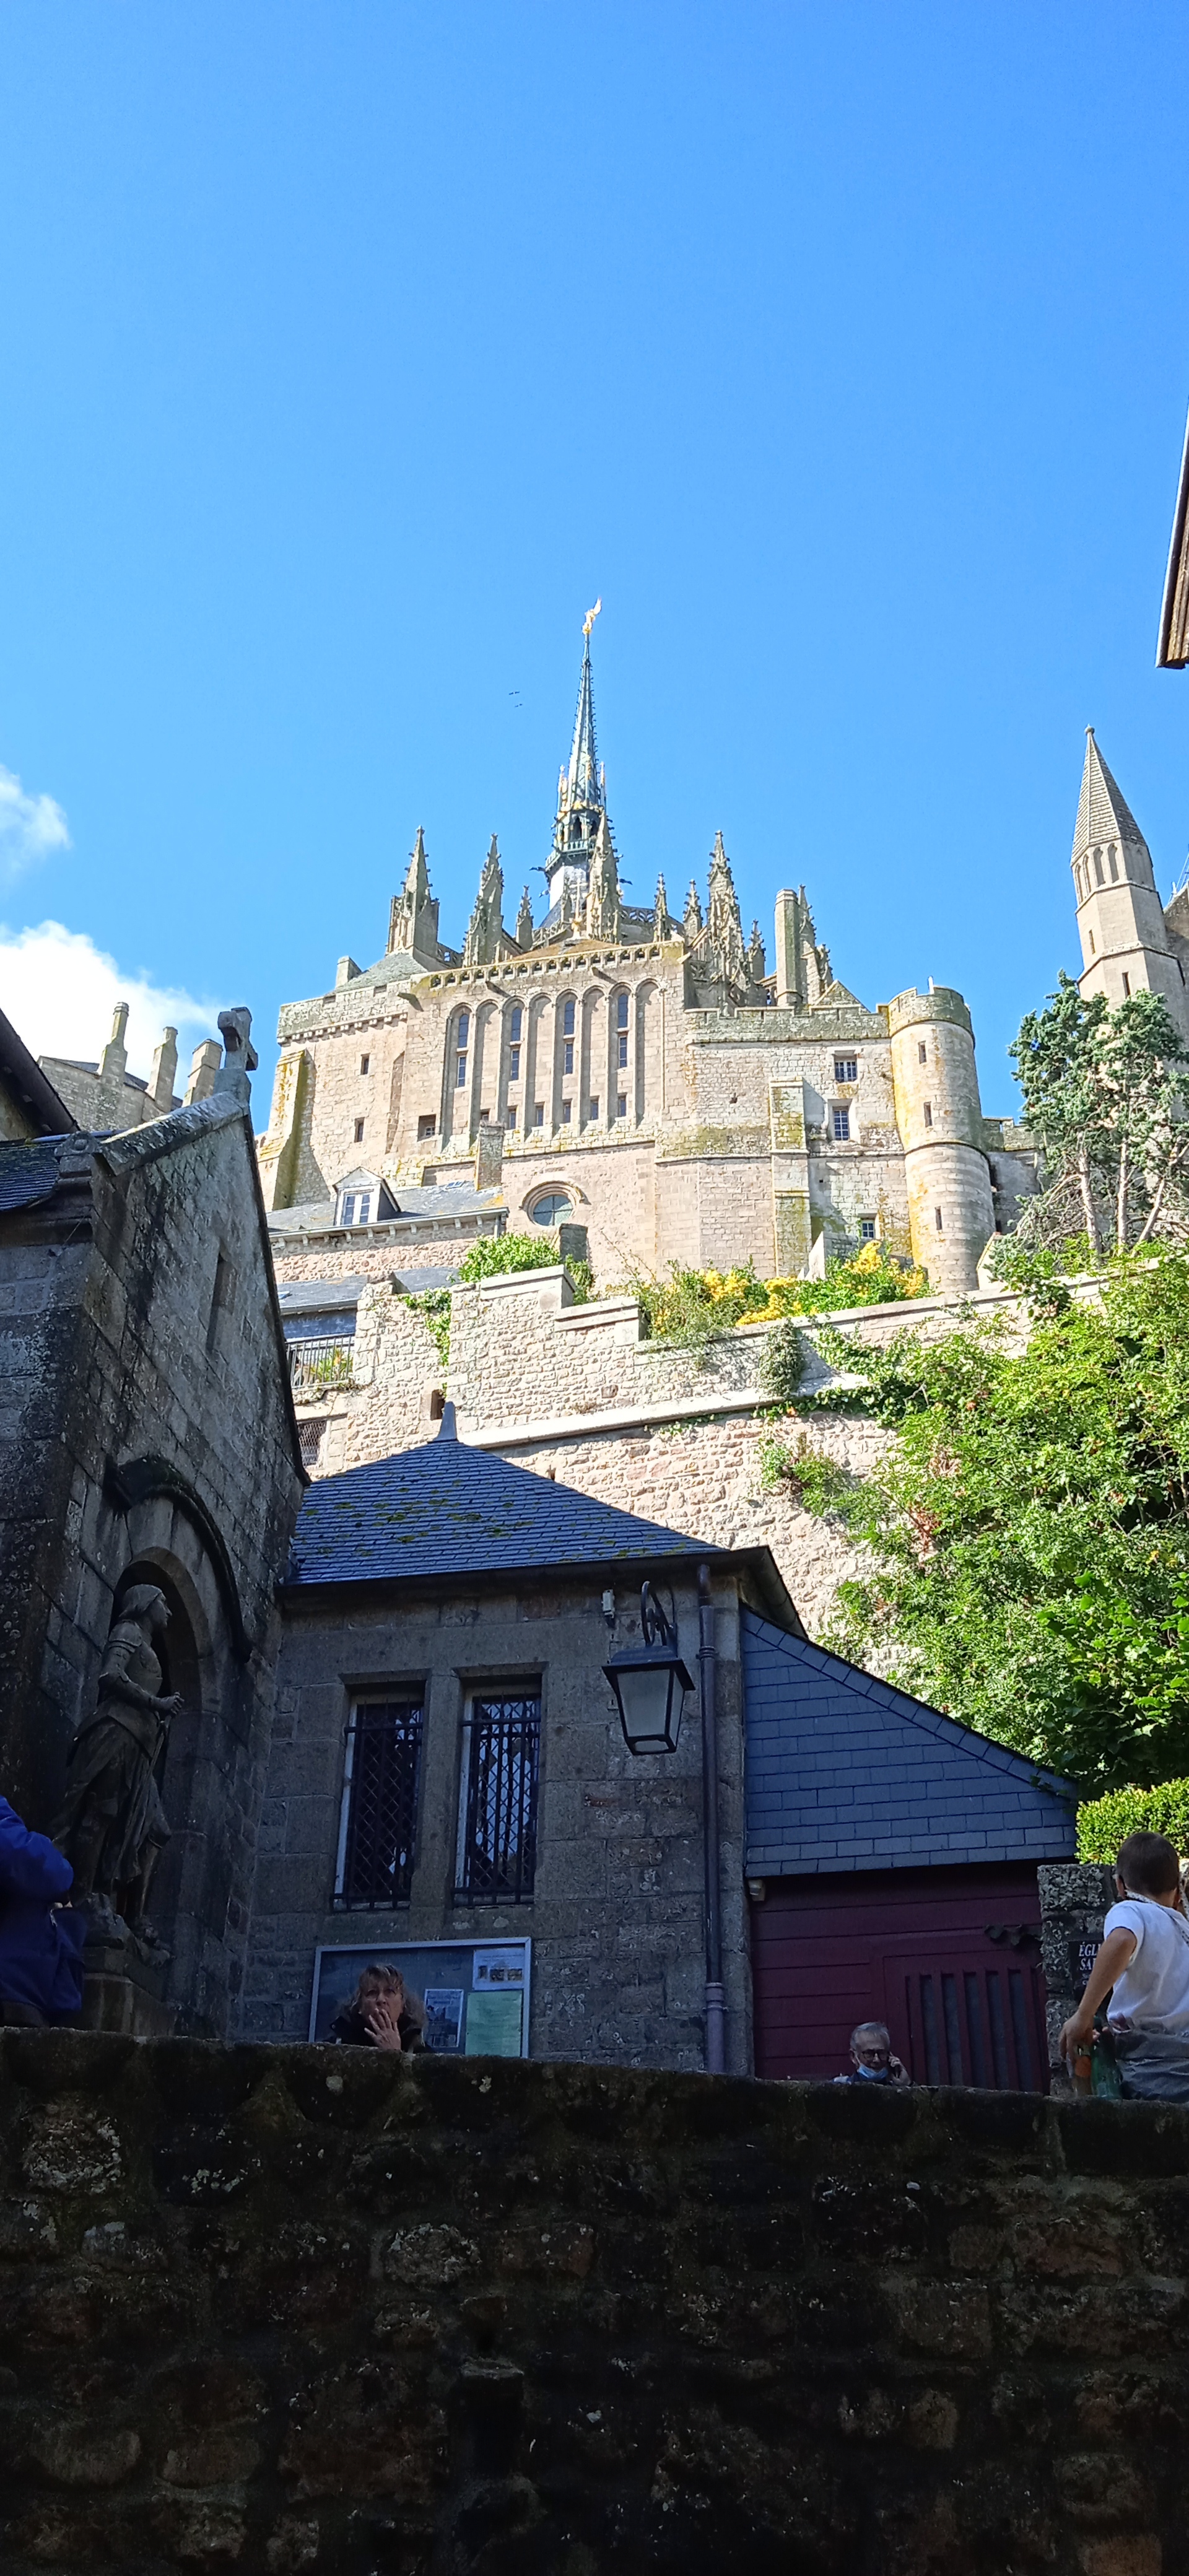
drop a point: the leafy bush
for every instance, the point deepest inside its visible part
(784, 1364)
(1106, 1822)
(1028, 1532)
(814, 1481)
(690, 1306)
(492, 1256)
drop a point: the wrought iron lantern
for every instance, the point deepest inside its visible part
(650, 1685)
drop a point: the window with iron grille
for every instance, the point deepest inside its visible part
(497, 1836)
(378, 1828)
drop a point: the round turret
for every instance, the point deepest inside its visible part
(951, 1214)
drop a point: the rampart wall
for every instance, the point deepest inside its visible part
(579, 1393)
(279, 2309)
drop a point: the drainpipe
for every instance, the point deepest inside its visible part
(707, 1676)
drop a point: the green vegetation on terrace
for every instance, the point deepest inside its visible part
(1026, 1539)
(689, 1306)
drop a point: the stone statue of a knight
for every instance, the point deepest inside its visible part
(113, 1826)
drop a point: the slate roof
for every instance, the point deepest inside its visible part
(844, 1772)
(317, 1216)
(446, 1509)
(28, 1172)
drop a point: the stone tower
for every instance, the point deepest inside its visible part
(951, 1213)
(1128, 945)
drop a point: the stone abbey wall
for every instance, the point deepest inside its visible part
(279, 2309)
(576, 1393)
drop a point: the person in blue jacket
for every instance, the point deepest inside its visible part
(41, 1963)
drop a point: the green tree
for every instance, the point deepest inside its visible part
(1102, 1097)
(1027, 1536)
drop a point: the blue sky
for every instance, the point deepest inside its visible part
(352, 349)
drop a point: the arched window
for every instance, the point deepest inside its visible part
(462, 1031)
(552, 1209)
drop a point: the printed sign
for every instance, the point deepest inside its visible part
(443, 2017)
(495, 1970)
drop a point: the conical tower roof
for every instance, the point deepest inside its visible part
(1103, 811)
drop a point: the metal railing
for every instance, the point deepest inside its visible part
(315, 1365)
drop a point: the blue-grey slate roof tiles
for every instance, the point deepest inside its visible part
(449, 1510)
(845, 1772)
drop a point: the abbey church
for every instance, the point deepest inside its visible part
(641, 1075)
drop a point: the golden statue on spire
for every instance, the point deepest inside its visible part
(589, 619)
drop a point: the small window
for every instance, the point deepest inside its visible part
(866, 1229)
(1114, 869)
(517, 1024)
(378, 1824)
(592, 1109)
(922, 1052)
(846, 1068)
(567, 1055)
(309, 1434)
(621, 1105)
(1098, 867)
(460, 1073)
(939, 1220)
(359, 1131)
(348, 1214)
(927, 1107)
(623, 1053)
(427, 1125)
(552, 1209)
(538, 1113)
(1126, 986)
(567, 1112)
(497, 1837)
(1092, 948)
(510, 1115)
(363, 1213)
(842, 1126)
(621, 1012)
(514, 1064)
(567, 1019)
(463, 1029)
(365, 1064)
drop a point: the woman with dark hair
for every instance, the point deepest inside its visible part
(380, 2014)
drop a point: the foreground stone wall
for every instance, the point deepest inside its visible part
(285, 2309)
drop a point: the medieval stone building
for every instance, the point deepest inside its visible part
(1131, 942)
(648, 1076)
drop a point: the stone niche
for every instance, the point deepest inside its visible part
(288, 2308)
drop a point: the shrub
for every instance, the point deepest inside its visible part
(1106, 1822)
(872, 1277)
(690, 1306)
(814, 1481)
(783, 1365)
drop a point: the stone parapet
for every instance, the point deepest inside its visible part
(288, 2308)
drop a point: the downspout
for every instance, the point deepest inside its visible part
(707, 1676)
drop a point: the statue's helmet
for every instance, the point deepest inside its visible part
(139, 1598)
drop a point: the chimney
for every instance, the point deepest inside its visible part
(204, 1065)
(165, 1067)
(113, 1064)
(489, 1157)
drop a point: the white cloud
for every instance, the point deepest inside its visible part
(30, 827)
(60, 991)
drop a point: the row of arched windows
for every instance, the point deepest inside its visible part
(566, 1061)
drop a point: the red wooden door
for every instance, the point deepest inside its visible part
(926, 1950)
(961, 2012)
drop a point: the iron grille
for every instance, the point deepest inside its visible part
(498, 1842)
(377, 1841)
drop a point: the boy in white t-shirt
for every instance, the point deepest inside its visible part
(1143, 1965)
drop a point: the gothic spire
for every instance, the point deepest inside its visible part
(693, 913)
(486, 923)
(722, 916)
(602, 902)
(413, 915)
(584, 785)
(524, 921)
(660, 919)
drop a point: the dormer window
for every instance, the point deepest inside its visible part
(362, 1199)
